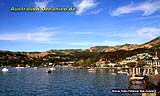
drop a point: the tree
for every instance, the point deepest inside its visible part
(141, 63)
(81, 62)
(88, 62)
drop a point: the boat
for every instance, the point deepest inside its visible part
(35, 67)
(4, 69)
(48, 71)
(113, 73)
(121, 72)
(28, 66)
(92, 70)
(19, 67)
(52, 68)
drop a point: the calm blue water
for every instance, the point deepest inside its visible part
(62, 82)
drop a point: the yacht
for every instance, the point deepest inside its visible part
(4, 69)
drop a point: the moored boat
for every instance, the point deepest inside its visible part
(92, 70)
(121, 72)
(19, 67)
(35, 67)
(48, 71)
(4, 69)
(52, 68)
(113, 73)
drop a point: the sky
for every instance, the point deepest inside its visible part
(94, 23)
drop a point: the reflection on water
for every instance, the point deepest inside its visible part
(62, 82)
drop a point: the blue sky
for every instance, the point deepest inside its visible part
(94, 23)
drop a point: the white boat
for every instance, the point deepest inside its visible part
(121, 72)
(4, 69)
(19, 67)
(92, 70)
(28, 66)
(52, 68)
(113, 73)
(35, 67)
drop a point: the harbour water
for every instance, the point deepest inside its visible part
(62, 82)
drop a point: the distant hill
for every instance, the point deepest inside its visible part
(153, 43)
(88, 56)
(113, 48)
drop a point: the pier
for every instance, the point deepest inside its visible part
(150, 78)
(136, 77)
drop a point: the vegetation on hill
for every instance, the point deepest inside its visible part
(83, 58)
(76, 57)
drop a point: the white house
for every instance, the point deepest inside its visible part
(112, 64)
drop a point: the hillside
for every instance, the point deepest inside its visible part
(114, 48)
(79, 56)
(153, 43)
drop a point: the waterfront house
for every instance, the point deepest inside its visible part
(135, 59)
(125, 62)
(101, 63)
(112, 64)
(152, 62)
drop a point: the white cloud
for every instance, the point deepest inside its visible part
(96, 11)
(83, 33)
(150, 32)
(148, 8)
(42, 34)
(84, 5)
(118, 35)
(148, 18)
(42, 3)
(12, 36)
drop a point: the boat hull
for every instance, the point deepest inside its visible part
(4, 69)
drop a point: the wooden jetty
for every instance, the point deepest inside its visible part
(150, 79)
(135, 77)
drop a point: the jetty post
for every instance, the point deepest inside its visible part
(156, 63)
